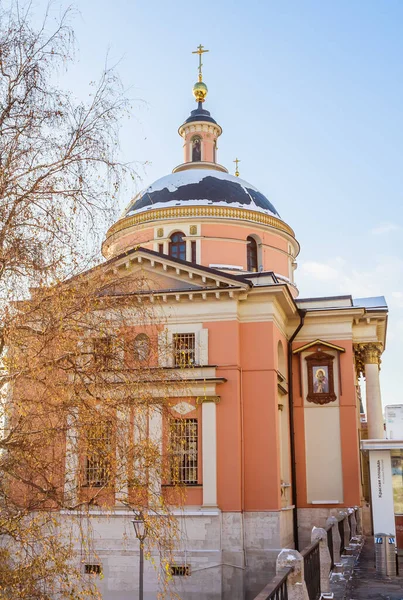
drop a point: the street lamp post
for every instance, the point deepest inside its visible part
(140, 530)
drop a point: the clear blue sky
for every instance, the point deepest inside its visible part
(309, 95)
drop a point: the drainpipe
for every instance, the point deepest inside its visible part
(302, 313)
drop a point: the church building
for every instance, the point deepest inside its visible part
(269, 431)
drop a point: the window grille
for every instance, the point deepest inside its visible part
(184, 451)
(180, 570)
(103, 352)
(98, 459)
(184, 349)
(90, 569)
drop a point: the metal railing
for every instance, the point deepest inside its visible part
(277, 588)
(312, 570)
(341, 531)
(329, 531)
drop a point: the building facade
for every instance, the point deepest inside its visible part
(269, 429)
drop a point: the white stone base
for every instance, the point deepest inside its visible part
(232, 555)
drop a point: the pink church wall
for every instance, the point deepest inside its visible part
(224, 253)
(139, 237)
(246, 355)
(224, 352)
(259, 379)
(221, 249)
(349, 427)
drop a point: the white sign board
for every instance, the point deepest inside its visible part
(394, 421)
(380, 466)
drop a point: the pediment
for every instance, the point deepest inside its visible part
(145, 271)
(319, 343)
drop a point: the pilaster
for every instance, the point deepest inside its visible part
(209, 445)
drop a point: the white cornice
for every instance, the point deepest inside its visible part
(381, 444)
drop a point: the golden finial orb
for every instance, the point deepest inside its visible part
(200, 91)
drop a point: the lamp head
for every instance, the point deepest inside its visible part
(140, 527)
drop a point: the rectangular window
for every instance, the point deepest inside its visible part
(184, 451)
(90, 569)
(98, 457)
(184, 349)
(180, 570)
(161, 248)
(103, 352)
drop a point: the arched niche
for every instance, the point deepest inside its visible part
(141, 347)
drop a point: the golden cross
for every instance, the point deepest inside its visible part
(236, 161)
(200, 51)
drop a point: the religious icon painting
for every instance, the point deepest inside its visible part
(320, 378)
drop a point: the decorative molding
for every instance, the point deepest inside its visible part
(160, 232)
(320, 391)
(183, 408)
(202, 399)
(367, 354)
(200, 211)
(319, 343)
(282, 390)
(193, 229)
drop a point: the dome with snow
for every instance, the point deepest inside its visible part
(200, 187)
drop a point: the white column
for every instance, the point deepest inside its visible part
(71, 462)
(371, 356)
(209, 441)
(155, 435)
(188, 250)
(122, 447)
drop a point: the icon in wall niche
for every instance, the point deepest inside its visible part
(320, 378)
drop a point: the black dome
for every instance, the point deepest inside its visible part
(200, 114)
(200, 187)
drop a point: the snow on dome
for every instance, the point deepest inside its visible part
(200, 187)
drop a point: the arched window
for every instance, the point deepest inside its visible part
(251, 253)
(196, 149)
(177, 246)
(141, 347)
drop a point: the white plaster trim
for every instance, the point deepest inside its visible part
(117, 512)
(325, 502)
(220, 266)
(209, 445)
(381, 444)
